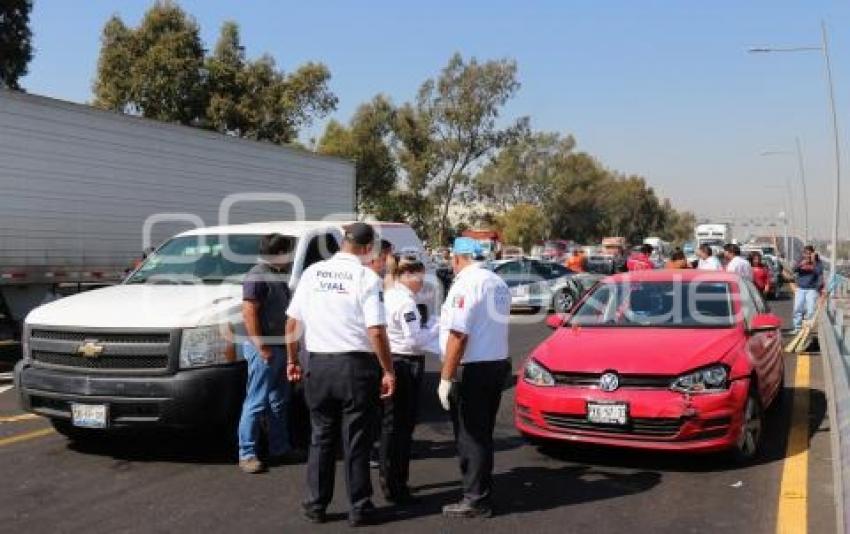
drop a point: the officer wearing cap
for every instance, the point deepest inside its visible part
(339, 303)
(474, 342)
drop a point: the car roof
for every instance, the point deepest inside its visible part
(292, 228)
(669, 275)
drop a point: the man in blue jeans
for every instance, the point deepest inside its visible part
(809, 273)
(265, 297)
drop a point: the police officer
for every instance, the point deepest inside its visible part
(474, 342)
(409, 338)
(339, 303)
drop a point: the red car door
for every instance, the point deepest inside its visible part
(764, 348)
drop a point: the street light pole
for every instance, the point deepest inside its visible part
(824, 49)
(805, 194)
(833, 254)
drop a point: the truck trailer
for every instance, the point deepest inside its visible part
(83, 193)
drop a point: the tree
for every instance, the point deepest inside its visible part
(460, 109)
(15, 41)
(366, 140)
(159, 70)
(523, 225)
(154, 70)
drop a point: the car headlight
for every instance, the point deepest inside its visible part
(537, 375)
(706, 380)
(202, 346)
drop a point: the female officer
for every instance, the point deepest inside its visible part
(409, 339)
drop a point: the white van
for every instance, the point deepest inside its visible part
(158, 349)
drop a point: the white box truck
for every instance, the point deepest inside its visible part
(77, 186)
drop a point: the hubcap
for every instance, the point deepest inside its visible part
(751, 429)
(563, 302)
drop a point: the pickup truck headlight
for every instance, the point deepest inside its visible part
(202, 346)
(537, 375)
(706, 380)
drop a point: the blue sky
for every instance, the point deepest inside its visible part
(661, 89)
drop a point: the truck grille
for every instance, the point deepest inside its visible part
(107, 351)
(643, 427)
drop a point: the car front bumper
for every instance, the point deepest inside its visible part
(203, 397)
(659, 419)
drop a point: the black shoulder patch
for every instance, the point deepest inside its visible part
(410, 317)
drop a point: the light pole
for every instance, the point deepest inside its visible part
(824, 49)
(802, 171)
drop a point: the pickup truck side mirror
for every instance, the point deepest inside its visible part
(764, 322)
(556, 320)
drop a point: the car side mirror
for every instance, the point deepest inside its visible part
(556, 320)
(764, 322)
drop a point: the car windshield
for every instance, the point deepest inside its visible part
(663, 304)
(202, 259)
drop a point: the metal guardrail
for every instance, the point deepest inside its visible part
(834, 341)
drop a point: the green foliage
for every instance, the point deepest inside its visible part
(366, 141)
(159, 70)
(459, 109)
(15, 41)
(523, 225)
(581, 199)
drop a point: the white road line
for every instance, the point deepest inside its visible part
(4, 389)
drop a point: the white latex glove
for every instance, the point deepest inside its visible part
(443, 391)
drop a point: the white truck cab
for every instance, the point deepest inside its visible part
(161, 348)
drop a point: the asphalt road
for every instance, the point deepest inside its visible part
(170, 483)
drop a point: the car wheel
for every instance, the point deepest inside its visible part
(563, 301)
(752, 429)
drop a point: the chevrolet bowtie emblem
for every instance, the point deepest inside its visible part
(90, 349)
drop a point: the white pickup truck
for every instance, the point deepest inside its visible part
(158, 349)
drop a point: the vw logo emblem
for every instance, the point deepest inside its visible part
(609, 382)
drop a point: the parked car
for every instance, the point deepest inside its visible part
(536, 284)
(777, 278)
(510, 252)
(684, 361)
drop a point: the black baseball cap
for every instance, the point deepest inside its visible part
(360, 233)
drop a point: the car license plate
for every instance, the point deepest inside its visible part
(607, 414)
(89, 415)
(521, 291)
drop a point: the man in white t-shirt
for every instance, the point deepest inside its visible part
(735, 263)
(474, 341)
(707, 260)
(339, 304)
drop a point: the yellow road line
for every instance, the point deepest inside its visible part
(16, 418)
(24, 437)
(793, 495)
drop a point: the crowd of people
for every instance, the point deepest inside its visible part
(353, 336)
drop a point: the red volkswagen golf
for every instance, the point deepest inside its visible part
(666, 360)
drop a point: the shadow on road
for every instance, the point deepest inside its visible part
(536, 489)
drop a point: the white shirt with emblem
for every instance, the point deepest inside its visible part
(404, 323)
(337, 300)
(478, 305)
(741, 267)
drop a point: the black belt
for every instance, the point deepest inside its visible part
(416, 357)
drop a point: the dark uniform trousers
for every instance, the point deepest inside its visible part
(398, 422)
(342, 392)
(475, 403)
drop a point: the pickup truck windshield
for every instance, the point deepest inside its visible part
(699, 304)
(202, 259)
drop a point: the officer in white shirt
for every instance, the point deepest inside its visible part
(409, 340)
(707, 260)
(338, 303)
(735, 263)
(474, 340)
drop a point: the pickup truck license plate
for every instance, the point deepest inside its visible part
(607, 414)
(89, 415)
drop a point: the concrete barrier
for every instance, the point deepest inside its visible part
(833, 340)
